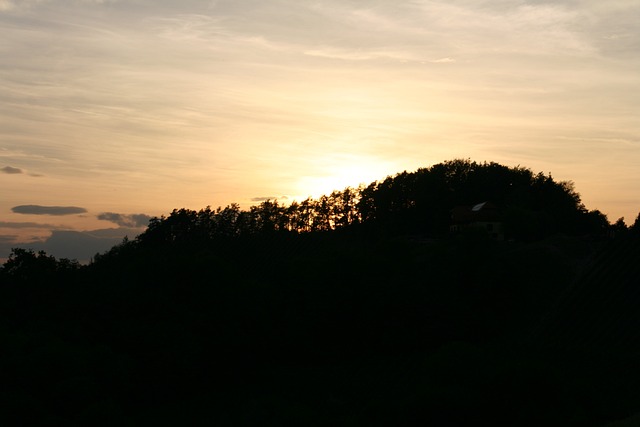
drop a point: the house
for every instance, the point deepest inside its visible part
(482, 216)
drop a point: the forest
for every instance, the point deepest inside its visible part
(459, 294)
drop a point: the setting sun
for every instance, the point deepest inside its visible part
(342, 172)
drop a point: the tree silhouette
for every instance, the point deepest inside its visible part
(420, 202)
(339, 310)
(27, 266)
(635, 227)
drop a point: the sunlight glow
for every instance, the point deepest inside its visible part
(347, 171)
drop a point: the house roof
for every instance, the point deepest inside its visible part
(485, 211)
(478, 207)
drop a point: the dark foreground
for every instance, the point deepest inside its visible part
(327, 329)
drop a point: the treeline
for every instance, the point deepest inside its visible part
(533, 205)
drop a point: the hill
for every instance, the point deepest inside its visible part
(359, 308)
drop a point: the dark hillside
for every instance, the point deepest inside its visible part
(600, 309)
(595, 328)
(340, 311)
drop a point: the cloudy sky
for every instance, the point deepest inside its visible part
(112, 111)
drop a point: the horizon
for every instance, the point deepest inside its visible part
(118, 111)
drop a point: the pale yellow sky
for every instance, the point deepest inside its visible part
(140, 106)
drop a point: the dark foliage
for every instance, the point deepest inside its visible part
(533, 206)
(358, 308)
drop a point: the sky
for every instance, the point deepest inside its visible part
(115, 111)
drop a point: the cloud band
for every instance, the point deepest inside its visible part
(47, 210)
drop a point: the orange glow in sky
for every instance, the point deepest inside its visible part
(124, 107)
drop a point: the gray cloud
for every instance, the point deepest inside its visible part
(79, 245)
(9, 224)
(6, 239)
(267, 198)
(16, 171)
(125, 220)
(263, 199)
(11, 170)
(47, 210)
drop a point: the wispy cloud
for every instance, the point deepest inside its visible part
(48, 210)
(270, 87)
(125, 220)
(442, 60)
(267, 198)
(9, 5)
(11, 170)
(4, 240)
(187, 27)
(12, 224)
(6, 5)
